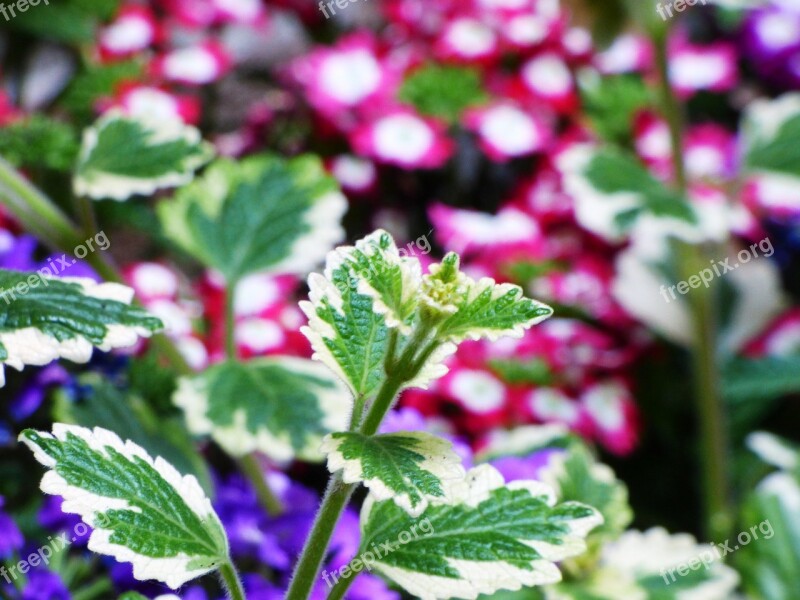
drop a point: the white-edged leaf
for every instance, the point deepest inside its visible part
(769, 136)
(141, 509)
(282, 407)
(391, 280)
(345, 331)
(408, 467)
(122, 156)
(478, 309)
(489, 536)
(264, 213)
(45, 318)
(612, 190)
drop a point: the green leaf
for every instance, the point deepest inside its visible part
(70, 21)
(95, 82)
(479, 309)
(43, 319)
(263, 213)
(101, 404)
(124, 156)
(38, 141)
(611, 103)
(282, 407)
(408, 467)
(391, 280)
(613, 190)
(347, 335)
(488, 537)
(575, 475)
(532, 371)
(142, 510)
(443, 91)
(761, 380)
(770, 132)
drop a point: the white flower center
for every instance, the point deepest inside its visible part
(478, 391)
(349, 77)
(402, 137)
(510, 130)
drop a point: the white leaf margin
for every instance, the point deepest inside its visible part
(99, 185)
(440, 460)
(481, 577)
(410, 269)
(172, 571)
(191, 395)
(31, 346)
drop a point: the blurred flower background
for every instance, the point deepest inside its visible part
(590, 151)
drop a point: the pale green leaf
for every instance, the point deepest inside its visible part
(769, 135)
(489, 536)
(478, 309)
(123, 156)
(264, 213)
(408, 467)
(43, 319)
(391, 280)
(282, 407)
(346, 333)
(141, 509)
(613, 190)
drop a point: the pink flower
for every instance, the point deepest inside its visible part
(773, 195)
(710, 152)
(152, 281)
(403, 138)
(781, 337)
(134, 29)
(628, 53)
(653, 143)
(552, 405)
(469, 231)
(343, 77)
(192, 13)
(354, 174)
(240, 11)
(506, 131)
(154, 102)
(693, 68)
(468, 39)
(193, 65)
(609, 407)
(548, 78)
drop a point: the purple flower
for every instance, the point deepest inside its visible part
(11, 538)
(33, 394)
(44, 585)
(525, 467)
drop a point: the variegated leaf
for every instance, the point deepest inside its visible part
(264, 213)
(122, 156)
(141, 509)
(45, 318)
(487, 537)
(282, 407)
(409, 468)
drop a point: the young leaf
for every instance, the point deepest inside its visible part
(282, 407)
(43, 319)
(392, 281)
(612, 190)
(346, 333)
(488, 537)
(142, 510)
(38, 141)
(478, 309)
(408, 467)
(443, 91)
(123, 156)
(263, 213)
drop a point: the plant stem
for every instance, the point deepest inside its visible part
(230, 321)
(307, 569)
(35, 212)
(266, 497)
(342, 585)
(85, 210)
(231, 581)
(710, 408)
(381, 405)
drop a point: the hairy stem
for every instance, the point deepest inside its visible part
(342, 585)
(711, 413)
(230, 321)
(307, 569)
(231, 581)
(268, 500)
